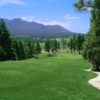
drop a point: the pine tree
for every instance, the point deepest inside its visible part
(30, 46)
(70, 44)
(58, 45)
(47, 46)
(5, 41)
(54, 45)
(63, 43)
(79, 42)
(38, 48)
(16, 46)
(22, 50)
(74, 43)
(92, 45)
(2, 54)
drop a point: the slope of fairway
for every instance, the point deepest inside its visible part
(57, 78)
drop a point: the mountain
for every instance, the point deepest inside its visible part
(21, 28)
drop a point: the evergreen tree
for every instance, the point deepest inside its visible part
(31, 49)
(5, 41)
(22, 51)
(58, 45)
(70, 44)
(16, 46)
(92, 44)
(2, 54)
(64, 43)
(47, 46)
(79, 43)
(38, 48)
(54, 45)
(74, 43)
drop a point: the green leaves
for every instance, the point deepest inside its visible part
(91, 48)
(83, 5)
(79, 4)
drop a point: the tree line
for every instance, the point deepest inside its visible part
(76, 43)
(13, 49)
(52, 46)
(19, 49)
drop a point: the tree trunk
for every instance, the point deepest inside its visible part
(97, 67)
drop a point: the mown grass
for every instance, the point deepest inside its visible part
(48, 78)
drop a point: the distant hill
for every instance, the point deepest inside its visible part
(21, 28)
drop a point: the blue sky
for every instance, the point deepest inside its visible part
(48, 12)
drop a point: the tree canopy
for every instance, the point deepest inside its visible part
(92, 44)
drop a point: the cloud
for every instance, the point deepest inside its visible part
(28, 18)
(52, 22)
(71, 17)
(18, 2)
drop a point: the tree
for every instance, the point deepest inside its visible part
(5, 41)
(31, 49)
(54, 45)
(19, 49)
(74, 43)
(82, 41)
(47, 46)
(92, 45)
(2, 54)
(63, 43)
(79, 42)
(38, 48)
(22, 51)
(16, 46)
(70, 44)
(58, 45)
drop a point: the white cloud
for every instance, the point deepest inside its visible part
(71, 17)
(52, 22)
(18, 2)
(28, 18)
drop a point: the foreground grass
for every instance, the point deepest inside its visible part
(58, 78)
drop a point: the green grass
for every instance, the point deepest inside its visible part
(56, 78)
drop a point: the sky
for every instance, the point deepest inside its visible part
(47, 12)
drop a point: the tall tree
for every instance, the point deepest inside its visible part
(38, 48)
(47, 46)
(70, 44)
(63, 43)
(54, 45)
(79, 42)
(5, 40)
(92, 44)
(31, 49)
(22, 50)
(74, 43)
(2, 54)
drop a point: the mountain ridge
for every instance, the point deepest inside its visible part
(21, 28)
